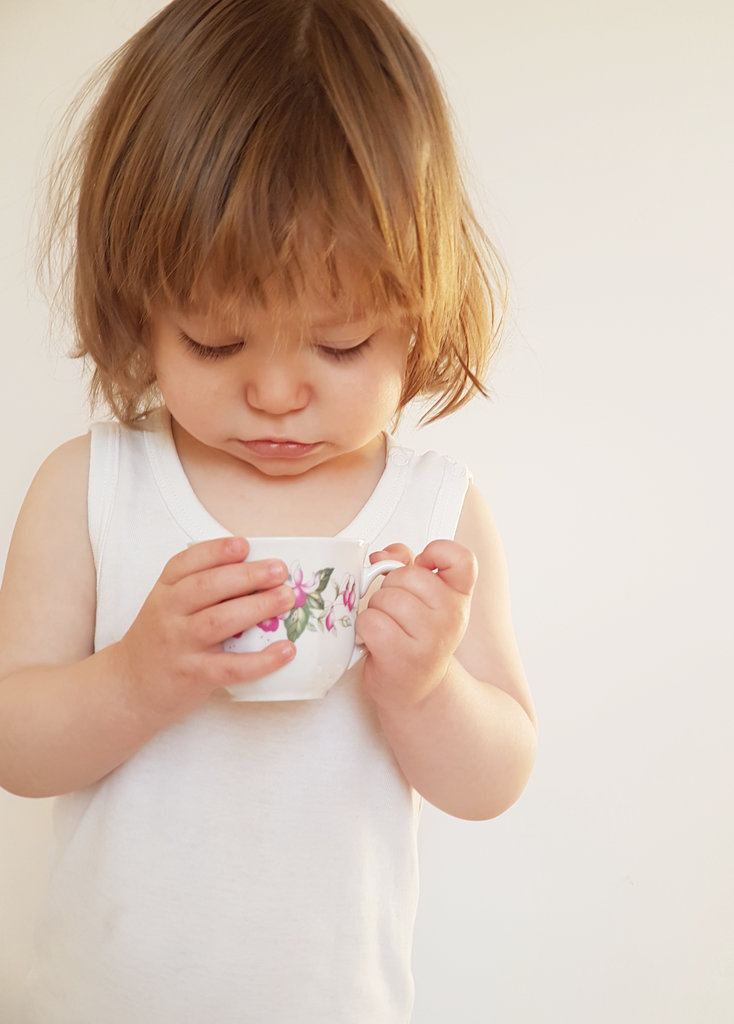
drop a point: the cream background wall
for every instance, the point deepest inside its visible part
(599, 140)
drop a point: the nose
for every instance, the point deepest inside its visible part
(277, 386)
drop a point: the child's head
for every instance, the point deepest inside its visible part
(244, 150)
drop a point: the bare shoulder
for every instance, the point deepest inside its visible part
(57, 498)
(478, 531)
(71, 457)
(489, 649)
(477, 528)
(47, 599)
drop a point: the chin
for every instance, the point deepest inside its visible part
(282, 467)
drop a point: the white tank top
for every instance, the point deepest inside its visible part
(254, 863)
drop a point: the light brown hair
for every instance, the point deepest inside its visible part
(244, 142)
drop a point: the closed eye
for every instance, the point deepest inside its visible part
(210, 351)
(339, 354)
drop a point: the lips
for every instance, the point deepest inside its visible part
(278, 448)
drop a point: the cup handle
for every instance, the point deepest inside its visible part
(370, 573)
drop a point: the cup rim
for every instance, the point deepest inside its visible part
(306, 538)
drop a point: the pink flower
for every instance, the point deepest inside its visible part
(301, 589)
(301, 597)
(329, 621)
(349, 594)
(269, 625)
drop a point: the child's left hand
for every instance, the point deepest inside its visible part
(415, 621)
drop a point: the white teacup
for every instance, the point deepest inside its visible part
(329, 575)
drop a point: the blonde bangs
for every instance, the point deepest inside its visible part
(298, 218)
(243, 152)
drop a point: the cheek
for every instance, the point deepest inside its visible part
(374, 398)
(389, 392)
(170, 384)
(180, 386)
(391, 385)
(164, 367)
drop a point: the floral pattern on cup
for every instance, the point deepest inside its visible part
(317, 605)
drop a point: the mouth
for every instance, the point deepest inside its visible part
(278, 448)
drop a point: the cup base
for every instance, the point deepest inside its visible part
(250, 693)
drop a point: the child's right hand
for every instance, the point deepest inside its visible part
(69, 715)
(172, 655)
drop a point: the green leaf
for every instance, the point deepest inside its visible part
(323, 576)
(296, 622)
(315, 601)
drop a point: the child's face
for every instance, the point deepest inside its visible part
(323, 390)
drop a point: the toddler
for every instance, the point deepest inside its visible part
(272, 254)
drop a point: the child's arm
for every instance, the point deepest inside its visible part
(69, 716)
(445, 672)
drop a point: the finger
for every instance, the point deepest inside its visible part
(420, 581)
(400, 552)
(379, 632)
(248, 666)
(212, 586)
(404, 608)
(214, 625)
(452, 562)
(205, 555)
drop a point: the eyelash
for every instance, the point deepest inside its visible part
(221, 351)
(210, 351)
(340, 354)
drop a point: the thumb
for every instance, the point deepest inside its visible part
(452, 562)
(400, 552)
